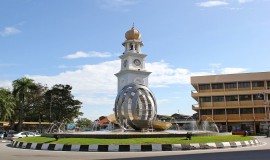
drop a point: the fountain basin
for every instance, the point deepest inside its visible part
(132, 134)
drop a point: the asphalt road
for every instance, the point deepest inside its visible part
(261, 152)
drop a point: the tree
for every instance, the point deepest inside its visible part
(20, 88)
(35, 100)
(83, 122)
(7, 104)
(61, 104)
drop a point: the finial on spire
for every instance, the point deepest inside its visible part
(133, 25)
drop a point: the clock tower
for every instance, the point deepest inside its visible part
(132, 61)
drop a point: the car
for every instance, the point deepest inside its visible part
(12, 136)
(36, 134)
(3, 134)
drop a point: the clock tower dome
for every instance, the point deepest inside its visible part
(132, 61)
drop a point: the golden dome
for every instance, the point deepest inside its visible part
(133, 34)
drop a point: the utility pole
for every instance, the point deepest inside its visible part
(51, 109)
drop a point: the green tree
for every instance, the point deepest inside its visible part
(61, 104)
(35, 100)
(21, 87)
(84, 122)
(7, 104)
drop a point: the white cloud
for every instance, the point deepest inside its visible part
(91, 54)
(90, 79)
(9, 31)
(117, 5)
(233, 70)
(244, 1)
(212, 3)
(5, 84)
(96, 85)
(7, 65)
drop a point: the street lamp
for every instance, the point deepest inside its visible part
(51, 109)
(266, 117)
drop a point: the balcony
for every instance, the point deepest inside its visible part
(247, 117)
(246, 103)
(195, 107)
(259, 116)
(233, 117)
(219, 117)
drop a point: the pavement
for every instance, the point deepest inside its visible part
(4, 141)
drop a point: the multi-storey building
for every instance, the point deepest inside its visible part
(234, 101)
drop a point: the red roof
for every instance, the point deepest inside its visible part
(103, 121)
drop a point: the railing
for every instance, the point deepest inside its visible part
(194, 106)
(194, 91)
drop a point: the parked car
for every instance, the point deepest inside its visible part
(12, 136)
(1, 134)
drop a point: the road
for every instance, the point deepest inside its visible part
(261, 152)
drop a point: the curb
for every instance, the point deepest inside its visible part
(132, 148)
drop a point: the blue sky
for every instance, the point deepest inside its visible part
(78, 42)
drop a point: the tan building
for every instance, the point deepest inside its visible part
(235, 102)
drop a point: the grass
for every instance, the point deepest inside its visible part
(101, 141)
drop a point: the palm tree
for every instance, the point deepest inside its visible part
(7, 104)
(20, 88)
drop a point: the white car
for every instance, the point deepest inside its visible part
(1, 134)
(23, 134)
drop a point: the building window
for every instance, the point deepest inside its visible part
(244, 85)
(232, 98)
(259, 110)
(217, 86)
(219, 111)
(246, 110)
(204, 86)
(205, 99)
(230, 85)
(218, 98)
(258, 96)
(258, 84)
(206, 112)
(233, 111)
(245, 97)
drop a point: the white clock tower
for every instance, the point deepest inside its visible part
(132, 61)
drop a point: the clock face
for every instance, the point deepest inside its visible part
(137, 62)
(125, 63)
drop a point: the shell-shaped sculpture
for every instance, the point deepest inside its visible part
(135, 105)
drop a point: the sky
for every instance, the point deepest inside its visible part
(78, 42)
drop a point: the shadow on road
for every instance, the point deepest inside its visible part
(235, 155)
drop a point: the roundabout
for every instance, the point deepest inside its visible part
(133, 148)
(137, 145)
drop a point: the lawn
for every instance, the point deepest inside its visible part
(174, 140)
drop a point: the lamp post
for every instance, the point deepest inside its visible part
(51, 109)
(266, 115)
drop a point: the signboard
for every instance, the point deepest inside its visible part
(71, 126)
